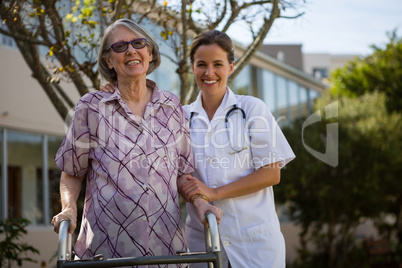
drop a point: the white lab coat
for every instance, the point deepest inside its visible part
(249, 230)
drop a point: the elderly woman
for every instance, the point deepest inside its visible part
(132, 145)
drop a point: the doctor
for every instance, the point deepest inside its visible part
(238, 151)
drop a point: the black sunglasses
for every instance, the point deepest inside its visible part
(120, 47)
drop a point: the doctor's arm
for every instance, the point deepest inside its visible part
(263, 177)
(202, 206)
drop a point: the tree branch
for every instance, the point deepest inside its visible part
(18, 36)
(117, 10)
(220, 18)
(291, 17)
(183, 65)
(62, 51)
(236, 11)
(255, 46)
(234, 14)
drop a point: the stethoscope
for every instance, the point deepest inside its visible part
(233, 109)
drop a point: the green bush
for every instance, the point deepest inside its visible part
(11, 248)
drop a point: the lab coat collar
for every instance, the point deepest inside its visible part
(228, 101)
(196, 106)
(196, 110)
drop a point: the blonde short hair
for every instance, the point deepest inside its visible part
(110, 75)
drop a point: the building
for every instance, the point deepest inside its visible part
(31, 131)
(318, 65)
(289, 54)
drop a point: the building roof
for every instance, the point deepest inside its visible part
(289, 54)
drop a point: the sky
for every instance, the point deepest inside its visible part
(339, 26)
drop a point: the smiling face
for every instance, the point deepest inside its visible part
(131, 64)
(211, 69)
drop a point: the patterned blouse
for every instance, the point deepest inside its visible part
(131, 202)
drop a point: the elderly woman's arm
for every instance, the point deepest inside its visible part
(262, 178)
(70, 187)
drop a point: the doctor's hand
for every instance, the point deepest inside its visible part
(202, 207)
(108, 88)
(180, 182)
(193, 186)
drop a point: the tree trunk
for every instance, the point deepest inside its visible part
(183, 65)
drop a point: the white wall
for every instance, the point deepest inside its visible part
(323, 60)
(25, 106)
(23, 103)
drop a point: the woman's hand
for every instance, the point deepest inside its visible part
(108, 88)
(69, 214)
(193, 186)
(202, 207)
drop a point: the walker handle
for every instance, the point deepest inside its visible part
(64, 249)
(212, 234)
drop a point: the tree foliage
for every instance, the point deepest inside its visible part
(12, 250)
(69, 32)
(329, 203)
(381, 71)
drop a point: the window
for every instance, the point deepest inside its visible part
(24, 157)
(54, 175)
(312, 95)
(304, 101)
(241, 84)
(294, 99)
(268, 90)
(2, 191)
(6, 40)
(163, 76)
(282, 100)
(320, 73)
(280, 56)
(31, 193)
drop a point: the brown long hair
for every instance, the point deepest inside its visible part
(210, 38)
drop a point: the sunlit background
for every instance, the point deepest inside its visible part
(335, 26)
